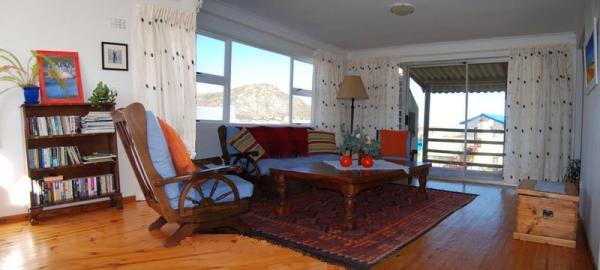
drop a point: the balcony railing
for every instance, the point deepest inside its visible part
(460, 155)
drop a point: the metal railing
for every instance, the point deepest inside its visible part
(463, 154)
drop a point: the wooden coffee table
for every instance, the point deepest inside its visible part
(349, 183)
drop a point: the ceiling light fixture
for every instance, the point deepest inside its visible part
(402, 9)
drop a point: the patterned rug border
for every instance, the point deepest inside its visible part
(344, 261)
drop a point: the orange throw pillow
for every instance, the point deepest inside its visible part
(181, 158)
(393, 143)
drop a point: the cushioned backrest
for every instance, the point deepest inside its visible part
(393, 143)
(159, 153)
(231, 132)
(181, 158)
(299, 141)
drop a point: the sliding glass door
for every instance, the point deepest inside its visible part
(463, 127)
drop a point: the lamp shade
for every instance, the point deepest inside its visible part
(352, 88)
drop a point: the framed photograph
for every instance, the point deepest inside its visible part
(60, 78)
(114, 56)
(590, 58)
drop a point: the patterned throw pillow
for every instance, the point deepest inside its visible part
(245, 142)
(321, 142)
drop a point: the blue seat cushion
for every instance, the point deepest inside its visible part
(266, 164)
(160, 155)
(230, 133)
(244, 188)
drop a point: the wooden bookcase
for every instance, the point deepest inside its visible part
(86, 143)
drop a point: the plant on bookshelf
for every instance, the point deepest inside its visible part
(72, 156)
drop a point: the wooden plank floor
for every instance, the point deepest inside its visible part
(479, 236)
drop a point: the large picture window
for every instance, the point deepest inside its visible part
(239, 83)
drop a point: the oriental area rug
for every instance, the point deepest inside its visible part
(387, 218)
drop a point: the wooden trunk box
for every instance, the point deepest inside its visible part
(547, 213)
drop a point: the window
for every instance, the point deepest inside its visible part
(238, 83)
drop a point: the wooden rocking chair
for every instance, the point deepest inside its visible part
(207, 208)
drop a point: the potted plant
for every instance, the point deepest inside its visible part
(573, 172)
(26, 76)
(102, 95)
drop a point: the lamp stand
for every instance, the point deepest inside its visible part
(352, 116)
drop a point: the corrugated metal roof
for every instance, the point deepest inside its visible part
(486, 77)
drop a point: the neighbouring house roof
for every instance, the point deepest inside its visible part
(495, 117)
(483, 78)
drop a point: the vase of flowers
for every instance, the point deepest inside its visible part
(26, 76)
(362, 145)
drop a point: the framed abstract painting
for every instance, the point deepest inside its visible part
(590, 58)
(60, 77)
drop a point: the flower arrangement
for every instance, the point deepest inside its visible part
(13, 71)
(573, 172)
(357, 141)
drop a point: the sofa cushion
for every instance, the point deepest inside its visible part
(160, 156)
(231, 132)
(181, 158)
(266, 164)
(245, 142)
(244, 188)
(393, 143)
(321, 142)
(298, 138)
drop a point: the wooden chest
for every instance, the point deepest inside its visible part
(547, 213)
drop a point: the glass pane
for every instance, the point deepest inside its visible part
(303, 75)
(260, 86)
(209, 101)
(446, 87)
(485, 117)
(210, 55)
(301, 108)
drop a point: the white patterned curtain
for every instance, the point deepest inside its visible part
(539, 113)
(384, 86)
(329, 113)
(165, 73)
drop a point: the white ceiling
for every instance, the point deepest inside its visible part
(363, 24)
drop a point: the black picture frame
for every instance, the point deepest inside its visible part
(119, 52)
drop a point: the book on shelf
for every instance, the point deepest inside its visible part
(97, 157)
(49, 192)
(54, 125)
(97, 122)
(52, 157)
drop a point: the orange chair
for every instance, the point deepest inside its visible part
(395, 144)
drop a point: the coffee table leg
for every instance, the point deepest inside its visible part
(281, 209)
(349, 222)
(422, 192)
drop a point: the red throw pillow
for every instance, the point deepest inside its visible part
(181, 158)
(393, 143)
(299, 141)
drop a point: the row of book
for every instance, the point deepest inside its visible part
(97, 122)
(53, 189)
(52, 157)
(54, 125)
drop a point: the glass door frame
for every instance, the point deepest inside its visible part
(427, 104)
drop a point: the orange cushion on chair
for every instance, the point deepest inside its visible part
(393, 143)
(181, 158)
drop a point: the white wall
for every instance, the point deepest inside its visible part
(66, 25)
(590, 153)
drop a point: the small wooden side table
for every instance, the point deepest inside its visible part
(547, 213)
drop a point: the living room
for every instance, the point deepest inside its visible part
(489, 103)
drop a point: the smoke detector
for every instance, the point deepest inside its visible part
(402, 9)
